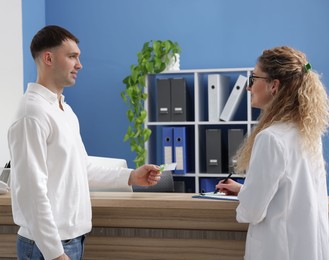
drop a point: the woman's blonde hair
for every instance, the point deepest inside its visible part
(301, 99)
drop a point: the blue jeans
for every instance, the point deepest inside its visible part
(28, 250)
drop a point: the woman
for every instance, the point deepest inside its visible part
(284, 197)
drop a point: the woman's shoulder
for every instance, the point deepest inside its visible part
(281, 131)
(281, 128)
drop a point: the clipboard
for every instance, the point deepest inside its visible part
(215, 196)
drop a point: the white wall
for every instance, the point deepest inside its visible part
(11, 68)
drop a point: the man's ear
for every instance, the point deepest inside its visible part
(275, 86)
(47, 57)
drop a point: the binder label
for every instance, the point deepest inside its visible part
(168, 154)
(213, 162)
(179, 158)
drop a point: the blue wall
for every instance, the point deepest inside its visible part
(34, 18)
(212, 34)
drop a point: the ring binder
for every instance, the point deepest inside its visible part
(218, 92)
(180, 149)
(163, 100)
(213, 151)
(167, 144)
(234, 99)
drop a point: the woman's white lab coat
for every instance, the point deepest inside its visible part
(284, 199)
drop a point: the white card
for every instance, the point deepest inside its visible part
(168, 167)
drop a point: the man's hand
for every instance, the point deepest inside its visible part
(146, 175)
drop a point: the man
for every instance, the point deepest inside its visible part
(50, 174)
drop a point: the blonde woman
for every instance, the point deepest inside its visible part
(284, 197)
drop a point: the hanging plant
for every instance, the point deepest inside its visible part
(153, 58)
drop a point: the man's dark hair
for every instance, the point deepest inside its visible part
(49, 37)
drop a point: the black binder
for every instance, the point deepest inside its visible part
(235, 139)
(213, 151)
(178, 99)
(163, 100)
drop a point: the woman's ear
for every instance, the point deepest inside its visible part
(275, 86)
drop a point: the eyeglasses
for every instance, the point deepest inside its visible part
(252, 78)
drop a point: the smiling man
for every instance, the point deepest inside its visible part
(50, 172)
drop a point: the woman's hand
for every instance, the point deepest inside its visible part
(230, 187)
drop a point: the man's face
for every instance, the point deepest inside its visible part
(66, 63)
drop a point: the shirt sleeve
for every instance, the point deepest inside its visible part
(28, 147)
(266, 167)
(104, 178)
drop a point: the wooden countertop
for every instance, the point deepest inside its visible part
(163, 210)
(147, 199)
(150, 226)
(152, 210)
(157, 200)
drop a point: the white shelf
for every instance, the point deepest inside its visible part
(197, 88)
(170, 123)
(211, 175)
(202, 123)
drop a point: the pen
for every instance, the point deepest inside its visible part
(225, 180)
(7, 165)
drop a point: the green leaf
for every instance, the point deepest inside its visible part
(125, 80)
(141, 80)
(147, 133)
(137, 134)
(144, 96)
(123, 96)
(134, 75)
(168, 46)
(149, 66)
(130, 115)
(143, 115)
(126, 137)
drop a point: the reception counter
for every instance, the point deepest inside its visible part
(151, 226)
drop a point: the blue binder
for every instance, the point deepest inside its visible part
(180, 150)
(167, 144)
(208, 184)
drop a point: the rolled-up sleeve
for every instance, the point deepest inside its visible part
(104, 178)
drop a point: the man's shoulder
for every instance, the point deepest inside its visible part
(32, 108)
(33, 105)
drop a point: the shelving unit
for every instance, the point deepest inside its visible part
(197, 88)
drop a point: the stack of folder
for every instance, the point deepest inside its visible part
(174, 141)
(223, 104)
(215, 162)
(172, 100)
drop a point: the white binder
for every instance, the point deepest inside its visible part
(234, 99)
(218, 92)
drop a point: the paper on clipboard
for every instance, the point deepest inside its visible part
(215, 196)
